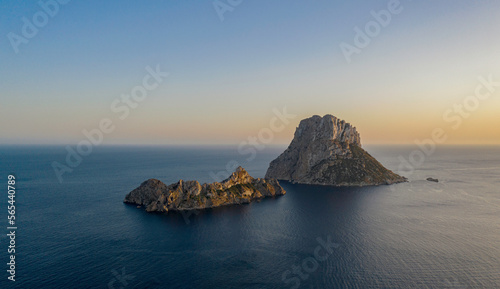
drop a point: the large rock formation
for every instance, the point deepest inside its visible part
(239, 188)
(327, 151)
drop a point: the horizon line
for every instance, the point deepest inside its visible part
(231, 144)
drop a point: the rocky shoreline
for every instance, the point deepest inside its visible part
(239, 188)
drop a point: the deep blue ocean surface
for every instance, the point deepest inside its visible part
(79, 234)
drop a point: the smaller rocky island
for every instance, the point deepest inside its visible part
(239, 188)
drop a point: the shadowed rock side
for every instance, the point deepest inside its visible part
(327, 151)
(239, 188)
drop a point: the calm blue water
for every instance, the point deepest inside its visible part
(79, 234)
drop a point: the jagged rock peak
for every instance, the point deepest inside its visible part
(239, 176)
(327, 127)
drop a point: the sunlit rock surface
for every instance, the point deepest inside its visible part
(239, 188)
(327, 151)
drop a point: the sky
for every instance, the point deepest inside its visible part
(232, 65)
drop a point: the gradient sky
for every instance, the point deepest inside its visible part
(226, 77)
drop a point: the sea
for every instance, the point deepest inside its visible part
(76, 232)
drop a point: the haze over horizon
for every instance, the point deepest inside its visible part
(227, 78)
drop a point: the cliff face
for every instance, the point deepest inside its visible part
(239, 188)
(327, 151)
